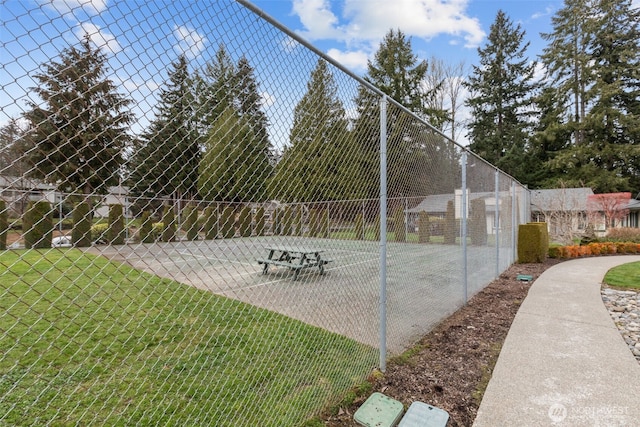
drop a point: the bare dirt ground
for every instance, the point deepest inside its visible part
(451, 366)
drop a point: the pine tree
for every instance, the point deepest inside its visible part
(502, 90)
(166, 158)
(12, 150)
(605, 155)
(310, 167)
(568, 61)
(396, 71)
(79, 131)
(234, 166)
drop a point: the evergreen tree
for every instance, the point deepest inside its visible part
(166, 158)
(80, 129)
(12, 149)
(412, 146)
(234, 166)
(502, 91)
(310, 167)
(605, 156)
(568, 61)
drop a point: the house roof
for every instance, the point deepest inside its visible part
(560, 199)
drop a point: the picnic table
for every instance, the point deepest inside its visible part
(295, 258)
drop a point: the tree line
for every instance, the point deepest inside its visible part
(208, 138)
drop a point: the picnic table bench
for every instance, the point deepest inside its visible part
(294, 258)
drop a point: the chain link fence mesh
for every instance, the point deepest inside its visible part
(190, 219)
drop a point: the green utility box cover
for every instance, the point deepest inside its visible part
(379, 411)
(423, 415)
(524, 277)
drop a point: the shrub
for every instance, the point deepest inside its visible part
(297, 221)
(146, 228)
(81, 231)
(324, 223)
(424, 232)
(314, 222)
(210, 223)
(359, 227)
(116, 232)
(478, 222)
(38, 221)
(99, 233)
(287, 221)
(532, 244)
(4, 225)
(260, 221)
(399, 225)
(191, 222)
(624, 235)
(450, 224)
(244, 221)
(227, 222)
(169, 228)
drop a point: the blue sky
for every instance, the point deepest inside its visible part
(142, 37)
(350, 30)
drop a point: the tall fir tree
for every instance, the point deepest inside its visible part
(310, 167)
(396, 71)
(165, 159)
(606, 155)
(79, 131)
(568, 62)
(234, 166)
(502, 96)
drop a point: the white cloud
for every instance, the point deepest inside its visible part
(367, 21)
(354, 60)
(318, 19)
(98, 37)
(190, 43)
(91, 7)
(267, 99)
(289, 44)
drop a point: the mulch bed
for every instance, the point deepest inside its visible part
(451, 366)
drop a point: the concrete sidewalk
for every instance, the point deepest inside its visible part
(564, 362)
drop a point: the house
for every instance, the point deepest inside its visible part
(436, 206)
(18, 191)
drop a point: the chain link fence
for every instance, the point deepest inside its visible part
(190, 219)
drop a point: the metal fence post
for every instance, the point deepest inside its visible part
(464, 224)
(514, 218)
(383, 233)
(497, 221)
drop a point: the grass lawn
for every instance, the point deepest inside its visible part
(624, 276)
(87, 341)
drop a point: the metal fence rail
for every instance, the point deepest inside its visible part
(190, 219)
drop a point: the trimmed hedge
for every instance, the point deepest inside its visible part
(594, 249)
(4, 225)
(81, 231)
(533, 242)
(38, 225)
(359, 228)
(210, 223)
(228, 222)
(116, 233)
(146, 228)
(244, 221)
(191, 222)
(260, 222)
(450, 224)
(169, 227)
(478, 222)
(398, 225)
(424, 228)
